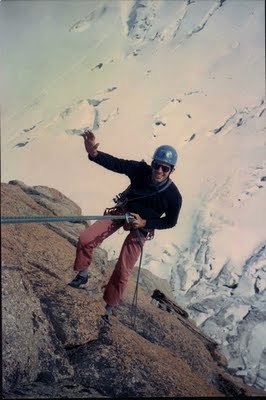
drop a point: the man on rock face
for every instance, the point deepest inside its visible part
(152, 199)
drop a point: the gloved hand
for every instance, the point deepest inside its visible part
(89, 142)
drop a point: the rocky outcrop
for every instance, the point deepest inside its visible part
(55, 203)
(168, 305)
(55, 343)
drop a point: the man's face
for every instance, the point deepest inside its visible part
(160, 171)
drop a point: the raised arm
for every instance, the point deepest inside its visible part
(119, 165)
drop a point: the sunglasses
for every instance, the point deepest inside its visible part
(157, 166)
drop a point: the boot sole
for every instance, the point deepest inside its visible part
(105, 319)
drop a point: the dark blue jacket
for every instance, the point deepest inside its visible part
(160, 210)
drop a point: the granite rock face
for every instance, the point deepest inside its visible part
(54, 203)
(55, 343)
(31, 349)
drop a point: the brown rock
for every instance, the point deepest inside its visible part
(30, 347)
(55, 343)
(121, 363)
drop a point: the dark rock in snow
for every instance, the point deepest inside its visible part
(29, 129)
(192, 137)
(98, 66)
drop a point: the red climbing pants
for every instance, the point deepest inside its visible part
(91, 238)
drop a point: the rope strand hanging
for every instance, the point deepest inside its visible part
(134, 304)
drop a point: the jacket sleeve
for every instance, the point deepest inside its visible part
(171, 215)
(119, 165)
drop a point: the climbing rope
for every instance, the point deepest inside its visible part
(135, 297)
(71, 218)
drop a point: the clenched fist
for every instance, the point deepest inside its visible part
(138, 222)
(89, 142)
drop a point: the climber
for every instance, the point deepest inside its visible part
(152, 199)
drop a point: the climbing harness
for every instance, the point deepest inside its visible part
(122, 200)
(71, 218)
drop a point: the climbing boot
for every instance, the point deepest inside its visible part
(107, 319)
(108, 313)
(78, 280)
